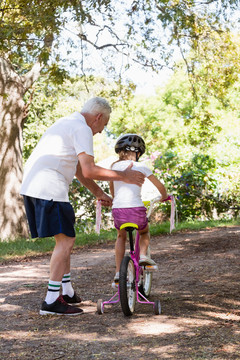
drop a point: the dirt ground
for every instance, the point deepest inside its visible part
(198, 284)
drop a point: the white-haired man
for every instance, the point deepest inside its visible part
(64, 151)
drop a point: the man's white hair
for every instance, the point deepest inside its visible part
(97, 105)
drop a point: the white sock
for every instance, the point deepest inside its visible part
(53, 291)
(67, 288)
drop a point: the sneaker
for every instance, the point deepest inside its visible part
(145, 260)
(59, 307)
(75, 299)
(115, 281)
(116, 277)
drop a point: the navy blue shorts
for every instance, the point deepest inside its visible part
(48, 218)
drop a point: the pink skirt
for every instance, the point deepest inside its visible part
(135, 215)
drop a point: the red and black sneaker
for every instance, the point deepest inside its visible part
(75, 299)
(59, 307)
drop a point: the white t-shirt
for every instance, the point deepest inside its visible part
(128, 195)
(52, 165)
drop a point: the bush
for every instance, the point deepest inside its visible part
(196, 186)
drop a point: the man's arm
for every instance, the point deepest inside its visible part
(93, 187)
(92, 171)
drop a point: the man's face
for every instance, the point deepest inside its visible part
(101, 121)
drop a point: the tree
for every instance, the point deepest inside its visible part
(30, 45)
(27, 41)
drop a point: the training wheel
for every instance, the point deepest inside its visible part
(100, 309)
(157, 307)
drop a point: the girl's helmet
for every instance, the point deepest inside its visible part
(130, 142)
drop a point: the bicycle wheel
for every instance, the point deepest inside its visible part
(146, 283)
(100, 306)
(146, 279)
(127, 286)
(157, 307)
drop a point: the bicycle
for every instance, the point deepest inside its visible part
(135, 281)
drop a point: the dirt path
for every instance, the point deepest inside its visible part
(198, 283)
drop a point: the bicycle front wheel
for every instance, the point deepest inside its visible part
(127, 286)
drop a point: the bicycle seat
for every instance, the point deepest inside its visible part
(129, 226)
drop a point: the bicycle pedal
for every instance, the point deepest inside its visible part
(151, 267)
(115, 285)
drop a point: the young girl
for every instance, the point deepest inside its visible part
(127, 202)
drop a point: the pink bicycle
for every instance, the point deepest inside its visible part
(135, 281)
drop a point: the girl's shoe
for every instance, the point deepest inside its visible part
(116, 277)
(145, 260)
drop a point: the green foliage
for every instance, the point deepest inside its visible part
(196, 186)
(146, 33)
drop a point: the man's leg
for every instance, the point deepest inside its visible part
(66, 243)
(60, 260)
(59, 265)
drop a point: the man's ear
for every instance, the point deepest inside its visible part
(98, 117)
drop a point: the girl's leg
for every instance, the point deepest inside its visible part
(144, 240)
(120, 248)
(144, 244)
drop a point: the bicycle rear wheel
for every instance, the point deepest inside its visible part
(146, 283)
(127, 286)
(146, 279)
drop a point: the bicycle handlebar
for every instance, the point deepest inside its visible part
(153, 201)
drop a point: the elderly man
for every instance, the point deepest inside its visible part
(64, 151)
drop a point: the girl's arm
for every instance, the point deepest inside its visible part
(111, 188)
(161, 188)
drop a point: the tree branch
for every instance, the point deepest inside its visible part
(29, 78)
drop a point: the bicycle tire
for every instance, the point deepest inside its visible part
(100, 309)
(146, 279)
(157, 307)
(127, 286)
(146, 283)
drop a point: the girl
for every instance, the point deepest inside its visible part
(127, 202)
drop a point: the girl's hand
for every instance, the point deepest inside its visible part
(165, 198)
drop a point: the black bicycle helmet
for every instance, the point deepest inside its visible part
(130, 142)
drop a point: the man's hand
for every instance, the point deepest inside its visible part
(134, 177)
(105, 199)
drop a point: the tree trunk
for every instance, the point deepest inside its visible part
(12, 89)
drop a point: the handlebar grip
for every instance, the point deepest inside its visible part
(168, 198)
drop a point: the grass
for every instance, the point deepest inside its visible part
(21, 248)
